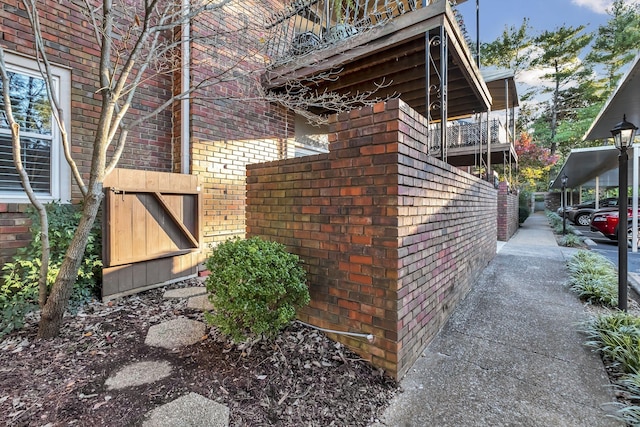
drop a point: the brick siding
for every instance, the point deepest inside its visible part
(14, 230)
(391, 238)
(71, 44)
(507, 212)
(231, 123)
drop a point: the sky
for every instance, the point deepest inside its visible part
(543, 15)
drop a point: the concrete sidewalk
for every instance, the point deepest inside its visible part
(510, 355)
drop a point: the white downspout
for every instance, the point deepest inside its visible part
(185, 79)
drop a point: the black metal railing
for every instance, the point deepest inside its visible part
(307, 25)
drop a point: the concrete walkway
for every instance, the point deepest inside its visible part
(510, 355)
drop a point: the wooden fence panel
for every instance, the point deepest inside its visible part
(151, 230)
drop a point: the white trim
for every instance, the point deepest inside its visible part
(185, 78)
(60, 170)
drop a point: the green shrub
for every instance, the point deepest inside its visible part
(19, 284)
(617, 336)
(255, 287)
(554, 219)
(523, 213)
(630, 413)
(593, 278)
(524, 205)
(571, 240)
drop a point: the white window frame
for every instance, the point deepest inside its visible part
(60, 170)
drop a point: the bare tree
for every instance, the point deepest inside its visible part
(138, 40)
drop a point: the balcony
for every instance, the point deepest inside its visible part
(409, 49)
(468, 142)
(420, 48)
(310, 25)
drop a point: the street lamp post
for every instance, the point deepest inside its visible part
(623, 134)
(564, 180)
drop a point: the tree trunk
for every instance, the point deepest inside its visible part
(53, 311)
(554, 110)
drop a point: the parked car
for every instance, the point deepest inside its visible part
(579, 214)
(606, 222)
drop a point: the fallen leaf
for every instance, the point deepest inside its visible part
(98, 405)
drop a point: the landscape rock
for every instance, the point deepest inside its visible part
(175, 333)
(191, 410)
(138, 374)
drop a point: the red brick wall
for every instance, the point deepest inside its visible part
(392, 238)
(14, 230)
(71, 43)
(507, 212)
(232, 124)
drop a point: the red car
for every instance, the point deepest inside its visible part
(606, 222)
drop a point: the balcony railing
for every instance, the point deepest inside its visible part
(465, 134)
(307, 25)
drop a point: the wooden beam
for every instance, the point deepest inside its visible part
(176, 220)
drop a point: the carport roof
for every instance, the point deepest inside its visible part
(625, 100)
(585, 164)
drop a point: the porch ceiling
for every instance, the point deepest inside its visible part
(395, 54)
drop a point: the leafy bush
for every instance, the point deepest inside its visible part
(255, 286)
(593, 278)
(524, 205)
(523, 213)
(571, 240)
(19, 284)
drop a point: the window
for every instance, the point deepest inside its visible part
(41, 147)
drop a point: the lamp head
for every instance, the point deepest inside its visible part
(624, 133)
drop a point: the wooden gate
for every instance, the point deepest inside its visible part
(151, 230)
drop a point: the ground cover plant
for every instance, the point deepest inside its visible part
(557, 223)
(571, 241)
(19, 281)
(614, 334)
(593, 278)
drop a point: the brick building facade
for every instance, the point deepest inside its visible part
(228, 125)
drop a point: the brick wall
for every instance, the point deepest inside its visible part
(232, 124)
(392, 238)
(71, 43)
(14, 230)
(507, 212)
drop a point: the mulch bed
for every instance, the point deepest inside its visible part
(300, 378)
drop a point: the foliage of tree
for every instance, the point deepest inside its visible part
(510, 50)
(534, 163)
(616, 43)
(559, 58)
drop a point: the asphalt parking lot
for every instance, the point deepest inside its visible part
(609, 248)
